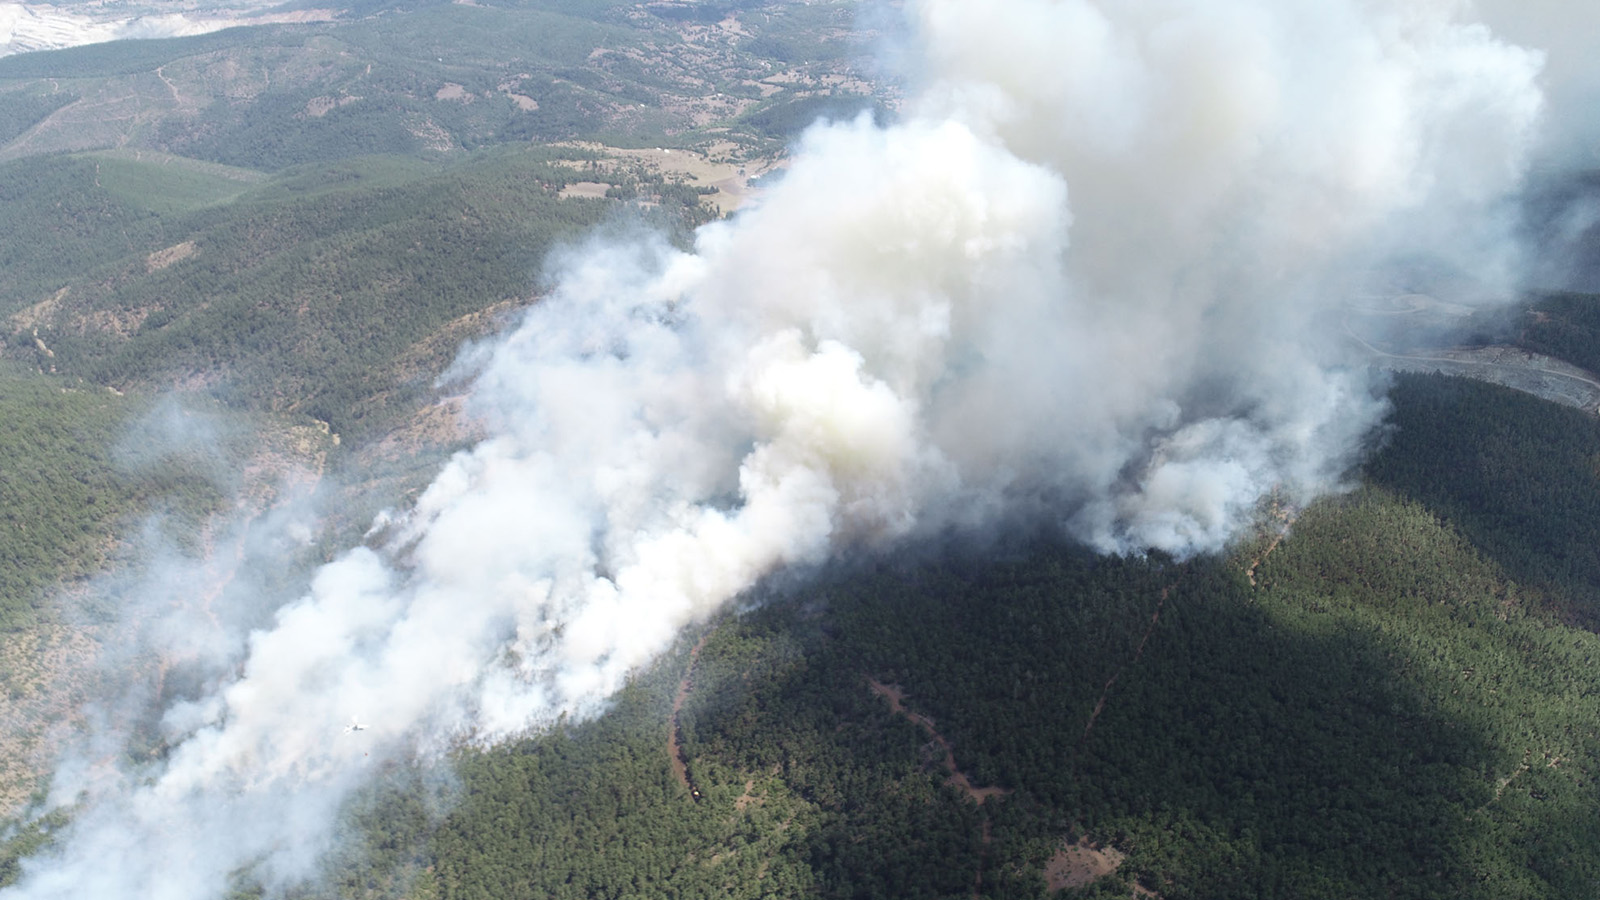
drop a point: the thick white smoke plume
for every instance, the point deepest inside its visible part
(1086, 278)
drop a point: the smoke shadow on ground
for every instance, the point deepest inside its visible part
(1313, 736)
(1514, 473)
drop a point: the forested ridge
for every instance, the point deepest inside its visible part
(1566, 325)
(1385, 712)
(323, 291)
(1521, 479)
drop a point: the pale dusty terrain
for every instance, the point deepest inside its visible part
(45, 673)
(1543, 376)
(1081, 864)
(49, 671)
(717, 167)
(163, 258)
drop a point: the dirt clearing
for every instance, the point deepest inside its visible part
(594, 190)
(1081, 864)
(162, 258)
(718, 166)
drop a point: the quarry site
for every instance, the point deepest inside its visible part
(1389, 336)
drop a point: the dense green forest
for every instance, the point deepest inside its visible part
(22, 109)
(1566, 325)
(1372, 705)
(336, 290)
(1520, 478)
(70, 478)
(60, 494)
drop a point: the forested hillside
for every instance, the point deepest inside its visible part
(305, 223)
(1518, 478)
(70, 476)
(1392, 693)
(309, 219)
(1565, 325)
(1372, 705)
(436, 79)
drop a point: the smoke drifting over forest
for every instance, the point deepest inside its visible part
(1085, 279)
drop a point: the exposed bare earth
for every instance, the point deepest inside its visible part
(431, 135)
(442, 424)
(680, 766)
(39, 313)
(1543, 376)
(1279, 518)
(163, 258)
(317, 107)
(523, 101)
(590, 189)
(48, 671)
(717, 167)
(1081, 864)
(44, 672)
(957, 778)
(426, 358)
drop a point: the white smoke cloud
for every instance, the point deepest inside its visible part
(1570, 78)
(1084, 279)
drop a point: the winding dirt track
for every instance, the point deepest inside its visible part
(680, 765)
(958, 779)
(1285, 517)
(1137, 653)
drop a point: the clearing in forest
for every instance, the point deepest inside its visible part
(717, 167)
(1081, 864)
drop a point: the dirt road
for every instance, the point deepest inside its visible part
(1542, 376)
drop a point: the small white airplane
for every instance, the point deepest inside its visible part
(355, 725)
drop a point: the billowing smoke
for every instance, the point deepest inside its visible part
(1088, 279)
(1563, 206)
